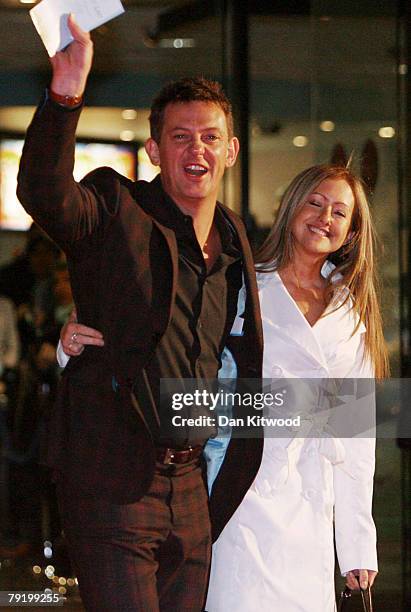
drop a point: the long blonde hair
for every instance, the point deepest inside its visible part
(354, 261)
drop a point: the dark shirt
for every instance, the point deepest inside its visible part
(202, 316)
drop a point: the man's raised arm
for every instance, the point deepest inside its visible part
(71, 66)
(46, 187)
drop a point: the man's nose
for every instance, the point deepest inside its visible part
(197, 145)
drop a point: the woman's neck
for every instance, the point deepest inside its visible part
(305, 272)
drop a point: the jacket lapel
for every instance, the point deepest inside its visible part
(252, 344)
(281, 311)
(152, 200)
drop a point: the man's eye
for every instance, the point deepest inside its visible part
(211, 137)
(180, 137)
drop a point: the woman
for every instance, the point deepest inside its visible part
(320, 319)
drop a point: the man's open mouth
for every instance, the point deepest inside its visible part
(195, 170)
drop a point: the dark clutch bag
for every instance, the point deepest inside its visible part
(346, 605)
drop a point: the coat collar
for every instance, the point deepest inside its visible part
(280, 311)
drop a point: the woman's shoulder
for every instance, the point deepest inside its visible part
(342, 308)
(266, 279)
(342, 301)
(265, 271)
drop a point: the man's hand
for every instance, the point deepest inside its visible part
(71, 66)
(366, 578)
(74, 336)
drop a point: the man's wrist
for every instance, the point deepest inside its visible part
(65, 100)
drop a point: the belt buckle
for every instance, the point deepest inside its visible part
(169, 456)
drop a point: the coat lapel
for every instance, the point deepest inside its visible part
(152, 200)
(281, 311)
(253, 330)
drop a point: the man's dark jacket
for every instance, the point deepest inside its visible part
(123, 266)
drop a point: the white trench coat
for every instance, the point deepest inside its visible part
(277, 551)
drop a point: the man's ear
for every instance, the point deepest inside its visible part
(232, 152)
(153, 151)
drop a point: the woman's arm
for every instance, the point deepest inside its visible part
(355, 532)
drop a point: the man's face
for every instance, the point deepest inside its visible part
(193, 152)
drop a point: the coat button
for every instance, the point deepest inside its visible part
(309, 494)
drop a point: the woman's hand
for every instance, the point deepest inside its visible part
(75, 336)
(366, 578)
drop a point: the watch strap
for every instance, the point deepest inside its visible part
(65, 100)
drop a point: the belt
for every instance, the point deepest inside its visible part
(174, 455)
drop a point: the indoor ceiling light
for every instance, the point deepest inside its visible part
(327, 126)
(176, 43)
(129, 114)
(300, 141)
(127, 135)
(386, 132)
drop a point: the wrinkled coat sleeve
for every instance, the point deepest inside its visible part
(65, 209)
(355, 533)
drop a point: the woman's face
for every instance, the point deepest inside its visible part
(323, 223)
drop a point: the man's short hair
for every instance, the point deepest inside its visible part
(197, 89)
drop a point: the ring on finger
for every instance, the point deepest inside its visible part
(74, 337)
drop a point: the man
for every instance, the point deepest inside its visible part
(157, 268)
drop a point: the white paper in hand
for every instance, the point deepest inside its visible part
(50, 19)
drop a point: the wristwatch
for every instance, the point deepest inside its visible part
(63, 100)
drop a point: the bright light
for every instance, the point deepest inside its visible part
(127, 135)
(386, 132)
(327, 126)
(176, 43)
(300, 141)
(49, 572)
(129, 114)
(28, 1)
